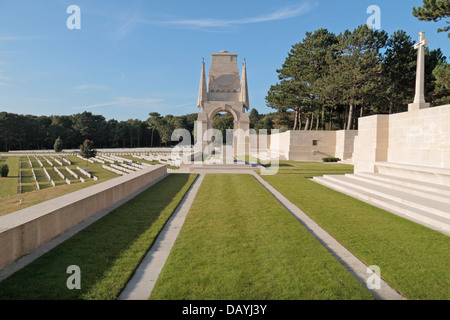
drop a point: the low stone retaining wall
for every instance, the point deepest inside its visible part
(24, 230)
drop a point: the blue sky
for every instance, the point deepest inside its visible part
(138, 56)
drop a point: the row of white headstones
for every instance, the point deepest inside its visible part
(121, 166)
(112, 162)
(58, 172)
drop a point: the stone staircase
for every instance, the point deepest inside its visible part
(423, 202)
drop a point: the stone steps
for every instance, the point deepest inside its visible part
(425, 186)
(435, 192)
(427, 207)
(436, 175)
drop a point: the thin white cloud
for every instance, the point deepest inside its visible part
(17, 38)
(97, 87)
(122, 101)
(127, 27)
(4, 80)
(2, 77)
(281, 14)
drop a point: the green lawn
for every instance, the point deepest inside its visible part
(28, 183)
(30, 195)
(40, 175)
(94, 168)
(107, 252)
(9, 184)
(238, 242)
(55, 177)
(413, 259)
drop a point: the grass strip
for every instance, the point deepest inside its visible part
(238, 243)
(413, 259)
(9, 184)
(107, 252)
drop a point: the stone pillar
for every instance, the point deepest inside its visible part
(372, 143)
(344, 143)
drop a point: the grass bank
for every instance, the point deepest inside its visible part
(107, 252)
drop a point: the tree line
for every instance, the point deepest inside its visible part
(328, 81)
(30, 132)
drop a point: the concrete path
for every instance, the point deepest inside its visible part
(141, 284)
(355, 266)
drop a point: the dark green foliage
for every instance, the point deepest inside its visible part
(58, 146)
(330, 159)
(254, 118)
(442, 89)
(87, 149)
(4, 170)
(434, 10)
(301, 86)
(162, 127)
(399, 69)
(222, 122)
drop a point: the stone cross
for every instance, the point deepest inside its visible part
(419, 99)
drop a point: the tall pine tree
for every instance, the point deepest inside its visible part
(434, 10)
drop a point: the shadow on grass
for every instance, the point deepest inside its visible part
(27, 188)
(107, 252)
(285, 165)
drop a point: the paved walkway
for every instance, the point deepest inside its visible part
(141, 284)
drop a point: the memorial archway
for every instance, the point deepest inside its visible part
(225, 92)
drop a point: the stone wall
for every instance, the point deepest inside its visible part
(420, 137)
(313, 145)
(25, 230)
(371, 144)
(345, 143)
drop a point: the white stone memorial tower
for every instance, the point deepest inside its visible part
(225, 92)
